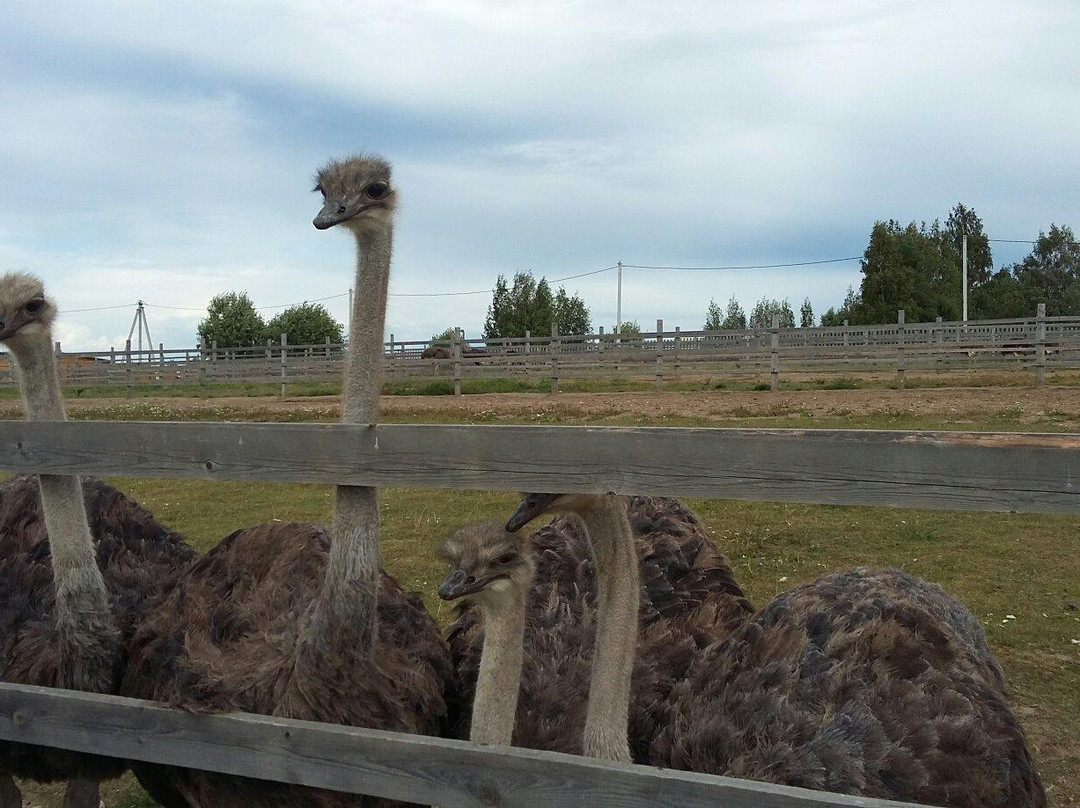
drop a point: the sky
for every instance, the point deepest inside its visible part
(165, 152)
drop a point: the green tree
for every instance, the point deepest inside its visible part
(630, 328)
(999, 297)
(1050, 274)
(734, 316)
(913, 267)
(849, 311)
(764, 309)
(528, 305)
(965, 221)
(806, 314)
(714, 317)
(571, 314)
(231, 321)
(444, 337)
(305, 324)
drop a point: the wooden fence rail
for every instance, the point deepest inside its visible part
(927, 470)
(1037, 345)
(413, 768)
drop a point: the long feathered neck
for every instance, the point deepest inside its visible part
(499, 679)
(89, 639)
(618, 584)
(350, 591)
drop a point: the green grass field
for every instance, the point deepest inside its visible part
(1019, 574)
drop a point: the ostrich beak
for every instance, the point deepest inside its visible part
(458, 584)
(334, 211)
(530, 507)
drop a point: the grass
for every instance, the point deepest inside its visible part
(997, 564)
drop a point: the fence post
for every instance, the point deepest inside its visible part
(678, 344)
(326, 352)
(455, 347)
(161, 354)
(284, 351)
(846, 323)
(1040, 346)
(774, 356)
(127, 364)
(392, 341)
(202, 364)
(900, 349)
(59, 362)
(659, 354)
(528, 342)
(554, 357)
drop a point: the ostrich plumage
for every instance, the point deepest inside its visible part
(869, 682)
(139, 560)
(689, 598)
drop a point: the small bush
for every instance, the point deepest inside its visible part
(840, 384)
(760, 386)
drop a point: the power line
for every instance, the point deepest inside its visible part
(1012, 241)
(100, 308)
(489, 290)
(737, 268)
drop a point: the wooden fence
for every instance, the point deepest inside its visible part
(1036, 345)
(946, 470)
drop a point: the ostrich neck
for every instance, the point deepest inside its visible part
(499, 679)
(350, 591)
(88, 634)
(618, 584)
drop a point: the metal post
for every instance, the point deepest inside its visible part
(774, 356)
(678, 344)
(618, 304)
(1040, 346)
(965, 278)
(161, 353)
(900, 349)
(284, 350)
(127, 364)
(554, 357)
(59, 362)
(455, 345)
(659, 354)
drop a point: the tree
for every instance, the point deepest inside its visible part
(849, 311)
(305, 324)
(528, 305)
(231, 321)
(571, 314)
(1050, 274)
(630, 328)
(963, 220)
(446, 336)
(913, 267)
(734, 316)
(806, 314)
(714, 317)
(764, 309)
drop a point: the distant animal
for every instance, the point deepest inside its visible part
(869, 682)
(528, 613)
(298, 620)
(436, 352)
(80, 566)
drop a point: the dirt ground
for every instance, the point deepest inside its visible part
(1029, 403)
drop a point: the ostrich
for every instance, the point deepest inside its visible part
(541, 630)
(298, 620)
(869, 682)
(72, 588)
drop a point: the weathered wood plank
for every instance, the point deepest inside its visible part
(432, 771)
(930, 470)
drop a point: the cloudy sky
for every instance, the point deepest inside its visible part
(164, 151)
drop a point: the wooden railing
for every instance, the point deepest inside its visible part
(941, 470)
(1037, 345)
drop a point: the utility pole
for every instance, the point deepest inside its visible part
(965, 276)
(618, 304)
(141, 324)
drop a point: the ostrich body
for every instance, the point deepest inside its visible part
(869, 682)
(298, 620)
(541, 629)
(72, 588)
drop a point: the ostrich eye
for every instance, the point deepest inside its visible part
(377, 190)
(35, 305)
(506, 558)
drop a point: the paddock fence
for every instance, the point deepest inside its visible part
(1037, 345)
(928, 470)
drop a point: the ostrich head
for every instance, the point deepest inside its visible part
(357, 192)
(24, 308)
(534, 505)
(486, 561)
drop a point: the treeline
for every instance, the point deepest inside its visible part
(918, 267)
(232, 321)
(529, 305)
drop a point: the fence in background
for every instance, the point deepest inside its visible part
(1038, 345)
(930, 470)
